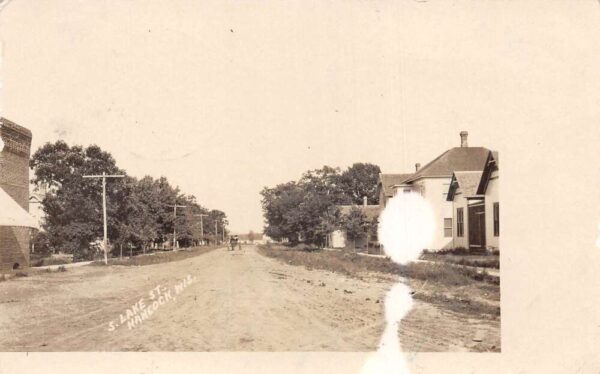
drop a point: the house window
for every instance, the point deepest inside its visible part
(448, 227)
(460, 222)
(496, 219)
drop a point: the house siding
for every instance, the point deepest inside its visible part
(492, 195)
(435, 191)
(460, 202)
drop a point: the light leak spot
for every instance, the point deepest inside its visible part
(405, 228)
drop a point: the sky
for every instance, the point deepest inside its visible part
(226, 97)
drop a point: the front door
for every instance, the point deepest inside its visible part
(477, 226)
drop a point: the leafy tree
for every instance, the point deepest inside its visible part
(280, 207)
(188, 222)
(139, 212)
(217, 221)
(305, 210)
(73, 208)
(325, 182)
(137, 224)
(355, 224)
(41, 243)
(329, 222)
(322, 191)
(360, 180)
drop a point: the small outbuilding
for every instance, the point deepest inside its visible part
(338, 239)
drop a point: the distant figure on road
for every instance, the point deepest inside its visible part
(233, 240)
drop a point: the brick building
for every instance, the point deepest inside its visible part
(15, 221)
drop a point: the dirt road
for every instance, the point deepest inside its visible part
(231, 301)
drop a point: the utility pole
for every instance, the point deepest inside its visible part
(216, 233)
(104, 176)
(201, 225)
(223, 229)
(175, 206)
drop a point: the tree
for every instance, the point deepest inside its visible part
(137, 224)
(139, 212)
(321, 192)
(360, 180)
(330, 221)
(73, 208)
(306, 209)
(217, 220)
(188, 223)
(355, 224)
(41, 243)
(251, 236)
(324, 182)
(280, 209)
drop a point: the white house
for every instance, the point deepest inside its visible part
(433, 180)
(475, 205)
(468, 211)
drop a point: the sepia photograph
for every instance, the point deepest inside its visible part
(260, 177)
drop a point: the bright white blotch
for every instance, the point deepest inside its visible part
(405, 228)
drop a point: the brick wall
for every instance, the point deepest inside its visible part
(14, 179)
(14, 247)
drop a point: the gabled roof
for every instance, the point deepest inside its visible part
(370, 211)
(491, 164)
(454, 159)
(12, 214)
(387, 181)
(467, 181)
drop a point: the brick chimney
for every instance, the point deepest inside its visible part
(14, 161)
(463, 139)
(364, 201)
(417, 166)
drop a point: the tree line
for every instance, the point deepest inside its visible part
(140, 212)
(307, 210)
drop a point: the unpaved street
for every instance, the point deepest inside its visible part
(238, 301)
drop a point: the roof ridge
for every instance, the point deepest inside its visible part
(420, 171)
(450, 160)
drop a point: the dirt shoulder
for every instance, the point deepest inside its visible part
(157, 257)
(449, 288)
